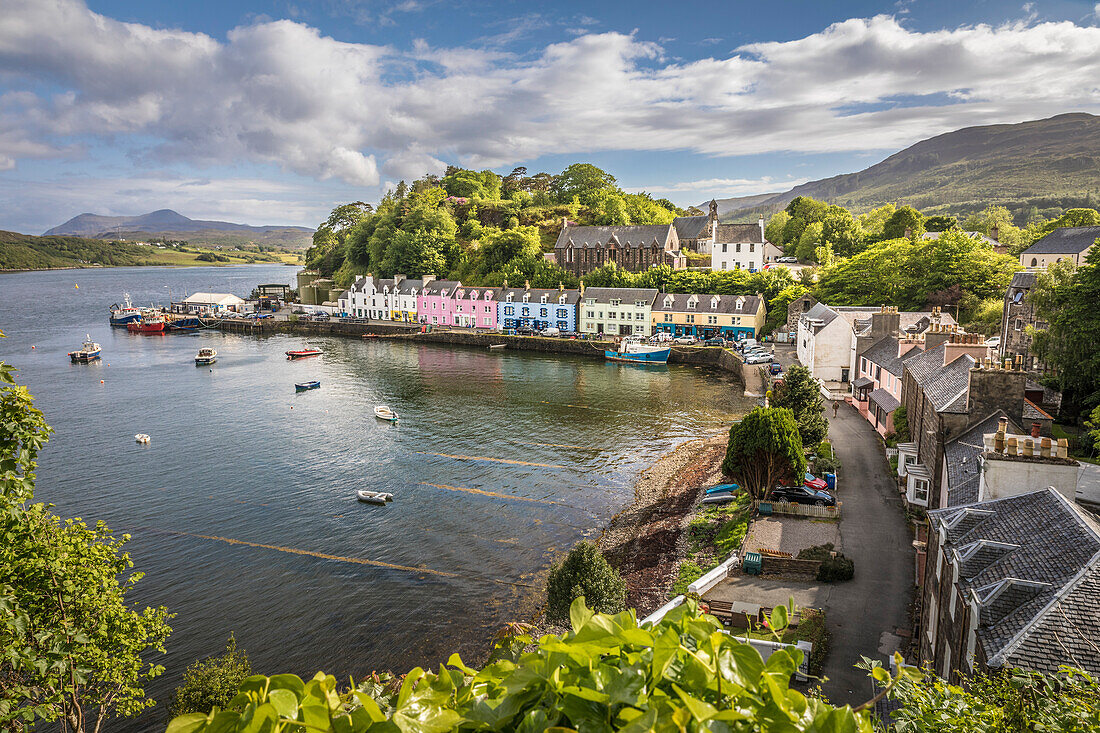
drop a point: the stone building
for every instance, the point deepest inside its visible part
(1066, 243)
(1011, 582)
(581, 249)
(1017, 315)
(696, 233)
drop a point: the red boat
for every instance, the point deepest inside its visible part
(146, 325)
(300, 353)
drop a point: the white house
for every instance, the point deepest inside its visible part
(739, 247)
(209, 303)
(617, 311)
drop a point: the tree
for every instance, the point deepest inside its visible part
(764, 450)
(799, 393)
(585, 573)
(212, 682)
(501, 247)
(581, 180)
(842, 232)
(905, 222)
(608, 673)
(773, 232)
(940, 223)
(809, 241)
(73, 644)
(1066, 297)
(1013, 700)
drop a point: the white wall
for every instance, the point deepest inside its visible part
(751, 256)
(826, 352)
(1001, 478)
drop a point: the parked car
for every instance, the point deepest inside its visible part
(570, 335)
(525, 331)
(802, 495)
(551, 331)
(994, 342)
(662, 337)
(812, 482)
(788, 258)
(684, 340)
(758, 359)
(776, 368)
(714, 342)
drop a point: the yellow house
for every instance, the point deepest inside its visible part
(728, 316)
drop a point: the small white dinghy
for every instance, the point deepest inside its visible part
(384, 413)
(142, 438)
(373, 497)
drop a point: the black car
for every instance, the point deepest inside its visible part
(525, 331)
(802, 495)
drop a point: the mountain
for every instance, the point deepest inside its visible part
(173, 225)
(1046, 164)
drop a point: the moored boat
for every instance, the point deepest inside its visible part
(382, 412)
(303, 386)
(497, 346)
(723, 489)
(635, 351)
(300, 353)
(147, 324)
(122, 315)
(373, 497)
(206, 355)
(88, 351)
(142, 438)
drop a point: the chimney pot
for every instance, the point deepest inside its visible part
(1029, 448)
(1035, 429)
(1011, 443)
(1063, 448)
(1044, 447)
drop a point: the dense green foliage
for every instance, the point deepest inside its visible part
(26, 252)
(606, 674)
(476, 226)
(800, 394)
(74, 648)
(764, 450)
(212, 682)
(1006, 702)
(1066, 298)
(901, 424)
(585, 573)
(835, 566)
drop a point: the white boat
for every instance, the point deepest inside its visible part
(373, 497)
(88, 351)
(497, 346)
(142, 438)
(384, 413)
(206, 355)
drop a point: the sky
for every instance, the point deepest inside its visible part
(275, 111)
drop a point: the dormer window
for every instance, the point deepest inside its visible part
(510, 297)
(691, 305)
(590, 301)
(462, 293)
(542, 299)
(561, 299)
(526, 297)
(639, 304)
(616, 302)
(714, 304)
(740, 302)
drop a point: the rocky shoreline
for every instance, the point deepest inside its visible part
(645, 541)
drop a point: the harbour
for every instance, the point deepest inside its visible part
(501, 460)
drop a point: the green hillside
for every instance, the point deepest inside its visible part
(1035, 169)
(27, 252)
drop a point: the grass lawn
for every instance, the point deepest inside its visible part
(715, 532)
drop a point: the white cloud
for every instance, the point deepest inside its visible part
(278, 92)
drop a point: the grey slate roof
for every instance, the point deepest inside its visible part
(552, 294)
(468, 292)
(821, 312)
(884, 353)
(945, 386)
(626, 236)
(961, 456)
(1032, 560)
(439, 287)
(734, 233)
(408, 284)
(1024, 280)
(1067, 240)
(627, 295)
(691, 227)
(1034, 412)
(884, 399)
(727, 304)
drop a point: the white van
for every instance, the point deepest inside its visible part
(551, 331)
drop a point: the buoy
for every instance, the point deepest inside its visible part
(101, 381)
(32, 346)
(76, 286)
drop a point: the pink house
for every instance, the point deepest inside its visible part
(877, 386)
(475, 307)
(435, 305)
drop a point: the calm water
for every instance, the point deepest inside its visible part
(500, 462)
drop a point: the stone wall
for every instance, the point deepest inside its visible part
(790, 566)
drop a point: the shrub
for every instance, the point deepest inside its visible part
(587, 573)
(836, 569)
(212, 682)
(817, 552)
(689, 573)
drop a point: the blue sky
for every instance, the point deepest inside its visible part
(271, 112)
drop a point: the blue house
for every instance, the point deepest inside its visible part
(537, 308)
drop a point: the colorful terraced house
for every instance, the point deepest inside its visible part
(435, 303)
(707, 316)
(537, 308)
(475, 307)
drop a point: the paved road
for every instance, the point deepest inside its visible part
(865, 613)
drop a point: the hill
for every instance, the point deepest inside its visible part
(173, 225)
(1038, 167)
(27, 252)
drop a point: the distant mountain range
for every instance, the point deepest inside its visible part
(1044, 165)
(173, 225)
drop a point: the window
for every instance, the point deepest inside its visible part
(723, 264)
(615, 302)
(569, 255)
(878, 373)
(1019, 324)
(691, 305)
(543, 312)
(725, 248)
(526, 297)
(590, 314)
(691, 318)
(920, 492)
(509, 310)
(752, 248)
(713, 320)
(1034, 262)
(930, 623)
(739, 304)
(639, 316)
(542, 299)
(509, 297)
(738, 246)
(668, 318)
(714, 304)
(611, 315)
(639, 304)
(486, 321)
(563, 313)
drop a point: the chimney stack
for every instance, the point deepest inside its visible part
(994, 233)
(564, 223)
(1035, 427)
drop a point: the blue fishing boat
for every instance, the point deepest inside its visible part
(723, 488)
(122, 315)
(184, 324)
(303, 386)
(635, 351)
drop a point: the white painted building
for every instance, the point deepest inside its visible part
(386, 299)
(617, 311)
(739, 247)
(200, 303)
